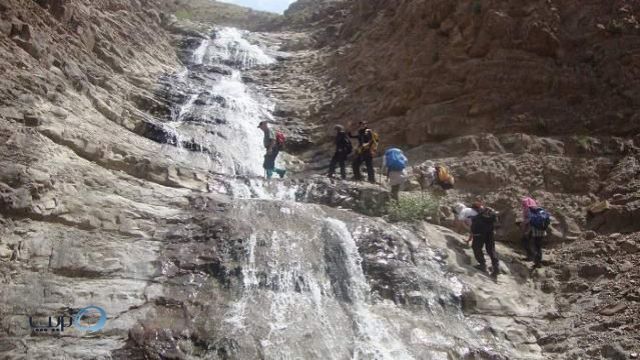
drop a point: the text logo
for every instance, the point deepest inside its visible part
(67, 321)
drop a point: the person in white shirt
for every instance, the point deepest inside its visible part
(463, 215)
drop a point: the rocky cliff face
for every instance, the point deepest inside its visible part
(518, 98)
(449, 69)
(131, 179)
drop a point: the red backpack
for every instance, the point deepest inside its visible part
(280, 139)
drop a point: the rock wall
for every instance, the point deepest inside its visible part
(81, 200)
(447, 69)
(518, 98)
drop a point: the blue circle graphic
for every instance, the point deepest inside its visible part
(97, 326)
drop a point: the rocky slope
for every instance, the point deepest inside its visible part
(518, 98)
(130, 179)
(220, 13)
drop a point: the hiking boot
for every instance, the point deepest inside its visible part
(481, 267)
(281, 172)
(495, 273)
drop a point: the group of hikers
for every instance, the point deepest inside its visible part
(478, 219)
(481, 220)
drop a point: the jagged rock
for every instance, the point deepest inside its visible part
(613, 309)
(614, 352)
(5, 253)
(629, 246)
(592, 270)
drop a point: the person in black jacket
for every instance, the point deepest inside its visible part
(343, 149)
(482, 229)
(363, 154)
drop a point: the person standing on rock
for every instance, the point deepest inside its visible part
(482, 230)
(273, 147)
(536, 221)
(343, 149)
(527, 203)
(364, 154)
(394, 162)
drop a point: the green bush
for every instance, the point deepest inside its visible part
(184, 14)
(414, 207)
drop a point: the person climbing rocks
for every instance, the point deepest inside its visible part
(394, 163)
(536, 221)
(367, 147)
(463, 215)
(273, 142)
(343, 149)
(527, 202)
(482, 230)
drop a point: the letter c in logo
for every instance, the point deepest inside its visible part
(97, 326)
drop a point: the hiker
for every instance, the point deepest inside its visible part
(394, 163)
(343, 149)
(367, 146)
(482, 230)
(463, 215)
(535, 222)
(273, 141)
(526, 202)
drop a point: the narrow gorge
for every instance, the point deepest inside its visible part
(131, 179)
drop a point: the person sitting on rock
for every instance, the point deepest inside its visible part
(463, 215)
(364, 153)
(482, 230)
(343, 149)
(273, 149)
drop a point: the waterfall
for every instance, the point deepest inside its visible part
(373, 339)
(221, 112)
(297, 286)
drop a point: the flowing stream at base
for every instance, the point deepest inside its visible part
(304, 292)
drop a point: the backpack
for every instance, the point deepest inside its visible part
(539, 218)
(346, 145)
(375, 139)
(280, 139)
(484, 222)
(444, 177)
(395, 159)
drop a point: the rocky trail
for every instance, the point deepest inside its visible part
(131, 179)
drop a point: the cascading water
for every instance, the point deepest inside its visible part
(298, 285)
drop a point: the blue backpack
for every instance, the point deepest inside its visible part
(539, 218)
(395, 159)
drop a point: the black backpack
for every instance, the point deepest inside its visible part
(484, 222)
(346, 145)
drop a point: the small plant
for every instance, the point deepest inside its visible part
(542, 126)
(184, 14)
(414, 207)
(584, 141)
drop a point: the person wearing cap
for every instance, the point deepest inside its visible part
(363, 153)
(343, 149)
(273, 149)
(482, 230)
